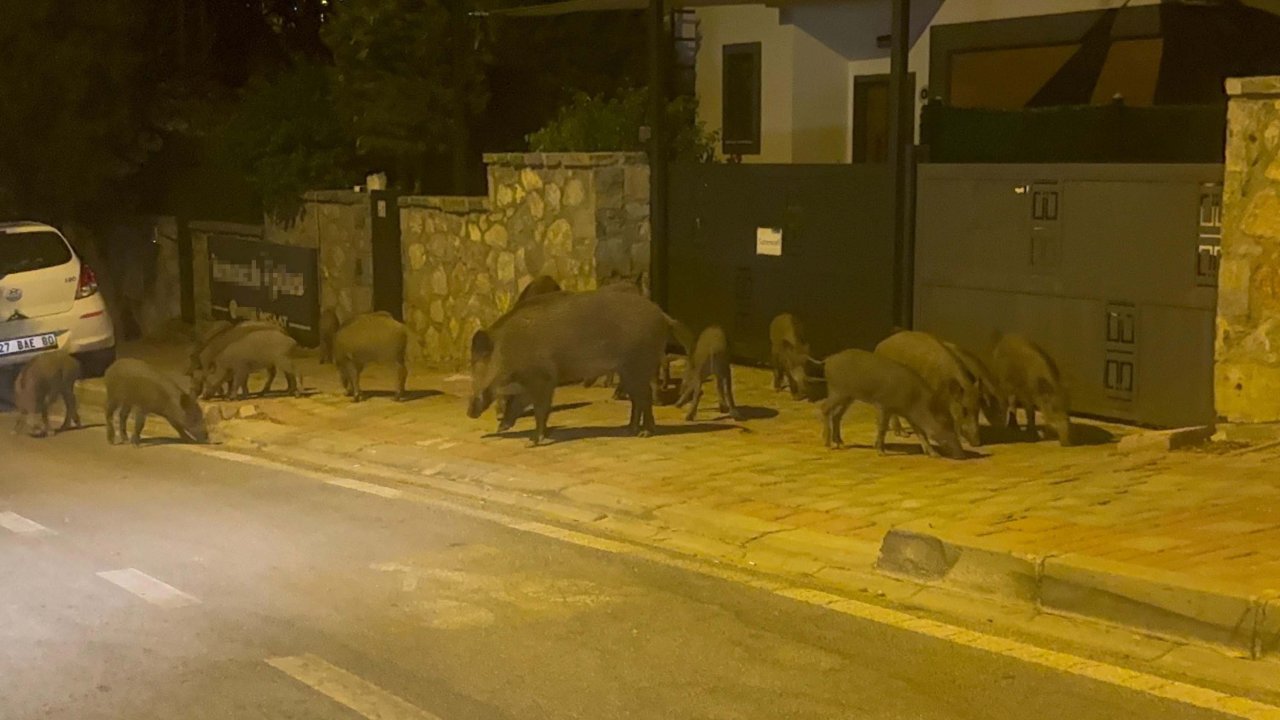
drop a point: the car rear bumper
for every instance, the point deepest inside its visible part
(85, 329)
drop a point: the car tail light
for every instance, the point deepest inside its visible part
(88, 282)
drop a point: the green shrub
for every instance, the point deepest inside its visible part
(599, 124)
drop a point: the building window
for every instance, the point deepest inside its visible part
(741, 122)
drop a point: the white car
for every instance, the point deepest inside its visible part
(49, 299)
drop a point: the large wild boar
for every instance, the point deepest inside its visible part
(40, 383)
(895, 391)
(568, 337)
(218, 342)
(370, 338)
(710, 357)
(931, 360)
(994, 404)
(133, 386)
(328, 326)
(1030, 379)
(788, 354)
(262, 350)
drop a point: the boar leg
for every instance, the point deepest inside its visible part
(695, 393)
(271, 378)
(541, 392)
(1030, 410)
(124, 422)
(240, 384)
(111, 421)
(356, 369)
(139, 420)
(925, 445)
(637, 385)
(402, 375)
(882, 426)
(73, 409)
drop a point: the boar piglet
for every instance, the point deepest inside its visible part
(568, 337)
(788, 354)
(50, 376)
(938, 366)
(262, 350)
(218, 342)
(133, 386)
(370, 338)
(710, 357)
(894, 391)
(1030, 379)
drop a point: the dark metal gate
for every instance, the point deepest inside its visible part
(388, 274)
(1111, 268)
(751, 241)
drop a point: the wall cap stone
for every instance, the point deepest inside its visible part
(456, 204)
(565, 160)
(227, 228)
(1266, 86)
(343, 197)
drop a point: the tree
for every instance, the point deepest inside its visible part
(73, 109)
(599, 124)
(410, 74)
(287, 138)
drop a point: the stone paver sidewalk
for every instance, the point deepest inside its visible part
(1211, 516)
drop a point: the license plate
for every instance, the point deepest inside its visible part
(35, 343)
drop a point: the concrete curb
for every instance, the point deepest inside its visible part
(1161, 603)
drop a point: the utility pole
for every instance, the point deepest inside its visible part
(659, 145)
(901, 140)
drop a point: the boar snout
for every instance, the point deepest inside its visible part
(478, 404)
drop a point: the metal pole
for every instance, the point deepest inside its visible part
(659, 47)
(901, 138)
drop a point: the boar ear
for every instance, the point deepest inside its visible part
(955, 389)
(481, 344)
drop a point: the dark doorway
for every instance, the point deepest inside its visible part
(388, 274)
(871, 117)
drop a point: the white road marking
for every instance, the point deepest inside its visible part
(148, 588)
(1134, 680)
(14, 522)
(347, 689)
(365, 487)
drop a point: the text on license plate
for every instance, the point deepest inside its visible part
(28, 344)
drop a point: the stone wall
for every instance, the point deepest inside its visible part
(579, 217)
(1247, 351)
(337, 223)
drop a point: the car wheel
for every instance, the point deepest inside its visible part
(94, 364)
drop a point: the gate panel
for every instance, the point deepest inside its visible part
(388, 273)
(835, 270)
(1108, 267)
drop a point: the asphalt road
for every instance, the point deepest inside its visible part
(170, 584)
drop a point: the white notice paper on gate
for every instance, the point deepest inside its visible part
(769, 241)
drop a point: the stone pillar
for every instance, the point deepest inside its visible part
(1247, 348)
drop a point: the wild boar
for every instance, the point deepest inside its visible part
(262, 350)
(931, 360)
(895, 391)
(134, 386)
(788, 354)
(217, 343)
(39, 384)
(1030, 379)
(328, 326)
(370, 338)
(710, 357)
(567, 337)
(991, 399)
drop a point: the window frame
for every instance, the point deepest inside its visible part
(749, 145)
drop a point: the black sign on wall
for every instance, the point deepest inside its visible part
(263, 281)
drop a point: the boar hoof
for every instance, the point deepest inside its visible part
(688, 417)
(736, 414)
(645, 433)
